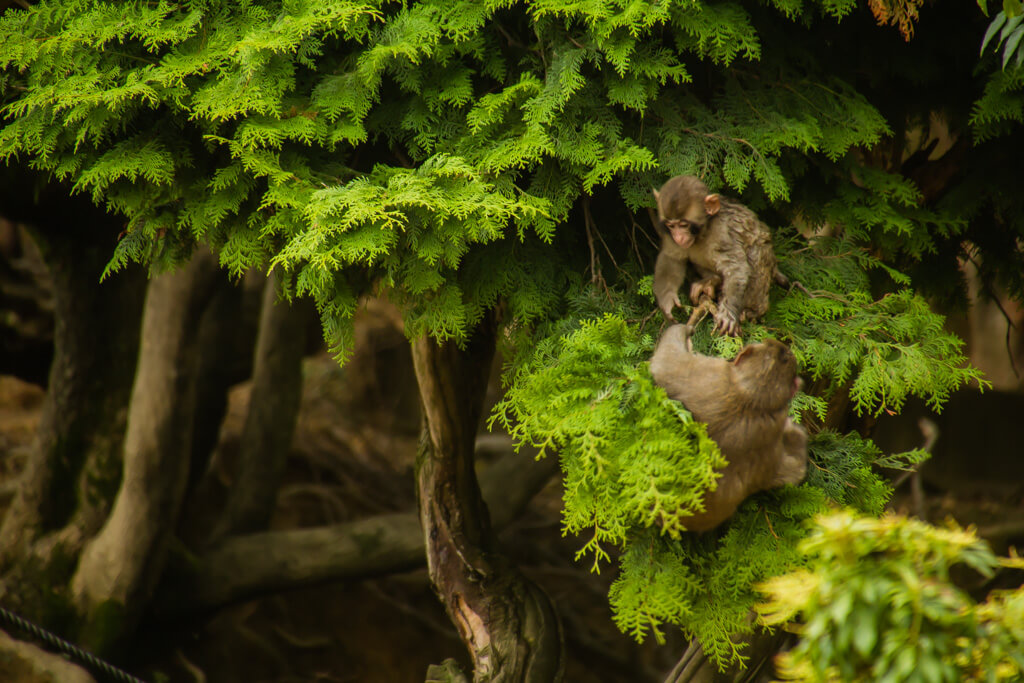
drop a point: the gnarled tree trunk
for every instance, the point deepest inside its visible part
(506, 621)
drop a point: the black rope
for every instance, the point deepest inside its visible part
(70, 649)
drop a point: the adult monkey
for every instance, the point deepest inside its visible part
(728, 245)
(745, 404)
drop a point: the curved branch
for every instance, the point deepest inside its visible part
(243, 567)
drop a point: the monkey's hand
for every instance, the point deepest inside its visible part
(726, 321)
(668, 303)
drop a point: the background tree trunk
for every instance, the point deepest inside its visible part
(227, 337)
(273, 410)
(70, 479)
(506, 621)
(119, 567)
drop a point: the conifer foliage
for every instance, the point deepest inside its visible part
(462, 155)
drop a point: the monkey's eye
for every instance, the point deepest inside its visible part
(677, 223)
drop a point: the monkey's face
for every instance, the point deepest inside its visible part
(683, 209)
(785, 368)
(683, 216)
(683, 232)
(771, 366)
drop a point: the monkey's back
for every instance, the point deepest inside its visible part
(748, 435)
(756, 242)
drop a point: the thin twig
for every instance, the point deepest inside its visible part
(771, 529)
(605, 245)
(591, 228)
(701, 310)
(636, 247)
(990, 290)
(590, 240)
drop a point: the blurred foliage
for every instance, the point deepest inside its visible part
(1010, 33)
(874, 602)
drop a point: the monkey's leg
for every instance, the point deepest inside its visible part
(792, 456)
(792, 469)
(706, 287)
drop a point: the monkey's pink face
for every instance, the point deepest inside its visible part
(682, 232)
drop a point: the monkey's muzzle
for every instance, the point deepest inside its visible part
(682, 232)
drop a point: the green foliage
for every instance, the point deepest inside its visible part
(631, 456)
(842, 469)
(636, 465)
(879, 351)
(240, 124)
(456, 156)
(1010, 33)
(874, 602)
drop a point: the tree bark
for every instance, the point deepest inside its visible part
(508, 624)
(227, 333)
(119, 567)
(22, 661)
(244, 567)
(73, 472)
(273, 411)
(695, 667)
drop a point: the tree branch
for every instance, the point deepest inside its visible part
(243, 567)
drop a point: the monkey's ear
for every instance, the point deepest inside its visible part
(745, 353)
(655, 193)
(712, 204)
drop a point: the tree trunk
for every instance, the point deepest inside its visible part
(72, 475)
(227, 331)
(507, 622)
(273, 411)
(21, 661)
(119, 567)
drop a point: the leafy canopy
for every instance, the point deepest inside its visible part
(454, 155)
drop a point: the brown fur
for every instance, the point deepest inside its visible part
(745, 404)
(727, 244)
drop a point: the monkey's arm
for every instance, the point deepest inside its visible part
(669, 273)
(736, 275)
(670, 363)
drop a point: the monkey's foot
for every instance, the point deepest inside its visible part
(726, 322)
(704, 288)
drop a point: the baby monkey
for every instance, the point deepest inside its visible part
(727, 244)
(745, 404)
